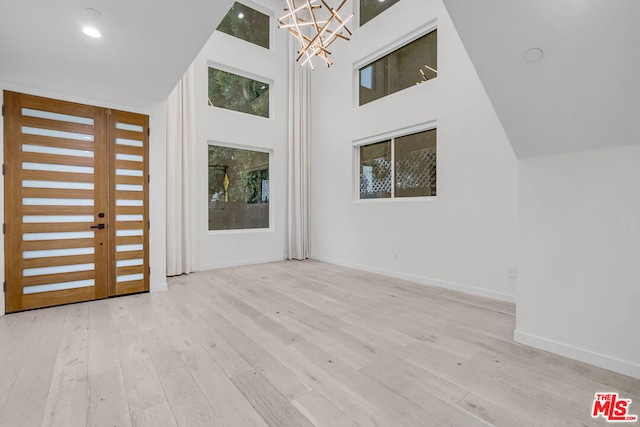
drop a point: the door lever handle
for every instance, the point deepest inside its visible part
(98, 226)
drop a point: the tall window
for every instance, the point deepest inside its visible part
(247, 24)
(238, 93)
(400, 167)
(412, 64)
(369, 9)
(238, 188)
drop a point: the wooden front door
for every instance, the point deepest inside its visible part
(76, 204)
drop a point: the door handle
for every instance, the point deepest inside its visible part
(98, 226)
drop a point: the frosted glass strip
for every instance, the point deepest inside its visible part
(27, 148)
(129, 157)
(49, 253)
(28, 272)
(38, 219)
(128, 187)
(58, 286)
(123, 233)
(128, 217)
(129, 262)
(30, 237)
(56, 133)
(129, 278)
(128, 172)
(56, 202)
(28, 112)
(56, 168)
(129, 202)
(58, 185)
(125, 126)
(128, 248)
(129, 142)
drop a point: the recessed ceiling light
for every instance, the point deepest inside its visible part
(241, 15)
(92, 32)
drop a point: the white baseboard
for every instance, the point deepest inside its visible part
(499, 296)
(238, 263)
(580, 354)
(158, 287)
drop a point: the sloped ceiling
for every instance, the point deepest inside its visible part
(146, 46)
(585, 91)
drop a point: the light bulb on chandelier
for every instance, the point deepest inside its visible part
(316, 26)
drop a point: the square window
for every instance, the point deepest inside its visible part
(415, 165)
(238, 188)
(238, 93)
(246, 24)
(403, 166)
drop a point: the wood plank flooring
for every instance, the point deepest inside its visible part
(289, 344)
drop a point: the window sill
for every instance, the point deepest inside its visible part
(240, 231)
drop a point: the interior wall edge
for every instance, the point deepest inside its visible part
(421, 280)
(580, 354)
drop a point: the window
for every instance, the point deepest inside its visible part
(400, 167)
(238, 188)
(238, 93)
(369, 9)
(412, 64)
(247, 24)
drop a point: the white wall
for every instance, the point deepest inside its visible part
(157, 187)
(466, 238)
(216, 125)
(579, 268)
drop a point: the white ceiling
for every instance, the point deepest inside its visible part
(146, 46)
(583, 94)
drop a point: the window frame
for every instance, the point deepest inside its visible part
(271, 153)
(272, 25)
(384, 51)
(392, 136)
(248, 75)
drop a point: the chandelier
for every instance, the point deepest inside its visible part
(316, 26)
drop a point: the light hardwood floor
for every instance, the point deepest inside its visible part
(289, 344)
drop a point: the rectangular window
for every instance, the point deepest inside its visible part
(369, 9)
(233, 92)
(375, 170)
(247, 24)
(238, 188)
(400, 167)
(412, 64)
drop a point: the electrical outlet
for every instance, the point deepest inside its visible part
(395, 254)
(512, 271)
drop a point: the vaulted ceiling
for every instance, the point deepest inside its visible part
(583, 93)
(146, 45)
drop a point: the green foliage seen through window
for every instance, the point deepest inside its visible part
(238, 93)
(247, 24)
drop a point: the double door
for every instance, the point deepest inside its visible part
(76, 202)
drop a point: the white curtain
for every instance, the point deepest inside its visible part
(299, 137)
(181, 148)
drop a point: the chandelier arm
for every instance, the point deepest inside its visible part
(335, 13)
(291, 4)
